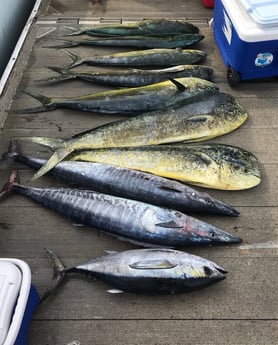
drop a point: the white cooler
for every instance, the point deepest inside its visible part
(18, 299)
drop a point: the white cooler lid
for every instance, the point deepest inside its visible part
(10, 283)
(265, 13)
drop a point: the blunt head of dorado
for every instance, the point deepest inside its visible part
(240, 172)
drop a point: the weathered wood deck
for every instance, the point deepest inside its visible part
(243, 309)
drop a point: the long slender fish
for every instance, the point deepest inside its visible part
(149, 42)
(127, 183)
(131, 220)
(159, 27)
(147, 271)
(215, 166)
(141, 58)
(131, 77)
(210, 117)
(131, 100)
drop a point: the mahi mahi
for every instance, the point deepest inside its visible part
(208, 118)
(215, 166)
(131, 77)
(148, 271)
(131, 101)
(141, 58)
(128, 219)
(159, 27)
(150, 42)
(127, 183)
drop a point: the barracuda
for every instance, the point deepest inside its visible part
(131, 100)
(151, 42)
(141, 58)
(154, 27)
(127, 183)
(131, 77)
(207, 165)
(131, 220)
(208, 118)
(148, 271)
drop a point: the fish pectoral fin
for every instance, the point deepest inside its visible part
(179, 85)
(152, 265)
(199, 118)
(170, 189)
(115, 291)
(170, 224)
(111, 251)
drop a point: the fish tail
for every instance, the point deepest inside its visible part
(56, 158)
(73, 31)
(12, 152)
(76, 60)
(8, 186)
(64, 75)
(59, 272)
(65, 44)
(47, 104)
(52, 143)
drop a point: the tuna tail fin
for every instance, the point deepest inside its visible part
(76, 60)
(64, 75)
(8, 186)
(47, 104)
(56, 158)
(52, 143)
(59, 272)
(12, 152)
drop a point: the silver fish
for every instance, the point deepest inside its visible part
(148, 271)
(131, 220)
(127, 183)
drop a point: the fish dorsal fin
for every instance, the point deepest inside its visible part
(179, 85)
(152, 265)
(170, 224)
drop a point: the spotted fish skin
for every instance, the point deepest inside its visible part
(141, 58)
(148, 271)
(128, 219)
(217, 166)
(131, 77)
(168, 42)
(160, 27)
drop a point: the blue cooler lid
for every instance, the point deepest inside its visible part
(265, 13)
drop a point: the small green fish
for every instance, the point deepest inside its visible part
(175, 41)
(141, 58)
(159, 27)
(132, 77)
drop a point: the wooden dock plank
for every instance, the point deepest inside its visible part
(242, 310)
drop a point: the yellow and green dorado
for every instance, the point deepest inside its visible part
(210, 117)
(214, 165)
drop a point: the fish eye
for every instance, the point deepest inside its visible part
(212, 233)
(208, 271)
